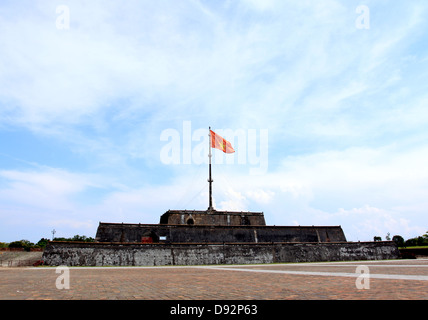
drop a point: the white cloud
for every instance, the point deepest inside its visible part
(369, 221)
(261, 196)
(368, 192)
(345, 108)
(235, 201)
(43, 199)
(46, 188)
(356, 188)
(291, 73)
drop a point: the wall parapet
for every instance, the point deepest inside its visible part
(173, 233)
(149, 254)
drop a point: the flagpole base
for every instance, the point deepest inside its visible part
(210, 209)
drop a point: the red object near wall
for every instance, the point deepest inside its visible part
(146, 240)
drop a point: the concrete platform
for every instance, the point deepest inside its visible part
(392, 279)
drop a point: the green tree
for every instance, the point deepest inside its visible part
(42, 243)
(399, 240)
(76, 238)
(410, 242)
(25, 244)
(420, 241)
(417, 241)
(425, 238)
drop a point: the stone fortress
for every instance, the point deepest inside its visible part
(184, 226)
(185, 237)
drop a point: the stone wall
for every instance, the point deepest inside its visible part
(414, 252)
(213, 218)
(128, 254)
(119, 232)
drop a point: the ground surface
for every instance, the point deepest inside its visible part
(395, 279)
(19, 258)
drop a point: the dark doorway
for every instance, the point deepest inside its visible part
(245, 221)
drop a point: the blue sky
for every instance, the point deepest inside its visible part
(82, 111)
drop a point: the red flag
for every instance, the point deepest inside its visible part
(219, 143)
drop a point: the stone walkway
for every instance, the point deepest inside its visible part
(375, 280)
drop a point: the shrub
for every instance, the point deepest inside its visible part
(25, 244)
(42, 243)
(76, 238)
(399, 240)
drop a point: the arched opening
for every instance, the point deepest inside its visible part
(245, 221)
(190, 221)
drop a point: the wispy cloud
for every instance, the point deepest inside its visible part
(345, 108)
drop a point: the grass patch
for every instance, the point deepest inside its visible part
(414, 247)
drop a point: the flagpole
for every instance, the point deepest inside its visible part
(210, 180)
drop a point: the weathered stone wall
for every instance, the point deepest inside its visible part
(111, 254)
(214, 218)
(118, 232)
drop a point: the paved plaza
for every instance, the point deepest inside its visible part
(373, 280)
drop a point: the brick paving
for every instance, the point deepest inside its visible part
(245, 282)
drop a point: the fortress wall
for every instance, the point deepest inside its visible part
(117, 232)
(128, 254)
(224, 218)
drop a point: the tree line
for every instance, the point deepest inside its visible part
(27, 245)
(412, 242)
